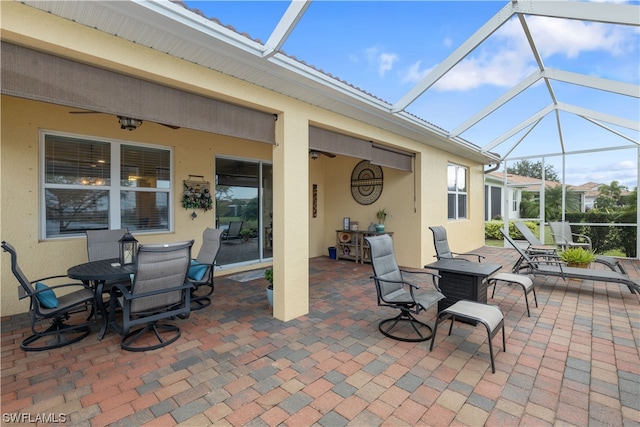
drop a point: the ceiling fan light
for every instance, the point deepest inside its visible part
(128, 123)
(314, 154)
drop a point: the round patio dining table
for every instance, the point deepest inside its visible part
(96, 274)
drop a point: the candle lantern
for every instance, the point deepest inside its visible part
(128, 249)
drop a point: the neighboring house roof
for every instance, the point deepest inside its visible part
(589, 189)
(526, 183)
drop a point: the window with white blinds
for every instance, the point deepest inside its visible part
(93, 184)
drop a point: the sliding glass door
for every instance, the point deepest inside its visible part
(244, 200)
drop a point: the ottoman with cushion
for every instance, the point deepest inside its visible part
(489, 315)
(524, 281)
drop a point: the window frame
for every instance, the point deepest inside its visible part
(115, 189)
(457, 193)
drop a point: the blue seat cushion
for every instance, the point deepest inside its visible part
(47, 298)
(196, 271)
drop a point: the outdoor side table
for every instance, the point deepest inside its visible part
(462, 280)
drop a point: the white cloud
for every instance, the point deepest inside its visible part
(414, 74)
(571, 37)
(623, 171)
(383, 61)
(503, 69)
(506, 58)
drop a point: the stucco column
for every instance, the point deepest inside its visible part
(291, 217)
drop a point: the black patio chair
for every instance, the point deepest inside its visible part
(46, 306)
(202, 268)
(160, 291)
(396, 292)
(441, 245)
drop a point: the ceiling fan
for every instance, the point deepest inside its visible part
(126, 123)
(314, 154)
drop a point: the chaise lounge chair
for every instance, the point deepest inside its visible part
(546, 267)
(233, 231)
(537, 248)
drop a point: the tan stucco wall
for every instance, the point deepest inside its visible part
(297, 235)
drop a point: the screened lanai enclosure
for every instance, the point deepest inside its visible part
(555, 82)
(543, 97)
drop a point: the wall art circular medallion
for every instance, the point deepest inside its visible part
(366, 182)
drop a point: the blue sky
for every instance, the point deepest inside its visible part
(386, 47)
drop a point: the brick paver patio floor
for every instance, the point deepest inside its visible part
(575, 361)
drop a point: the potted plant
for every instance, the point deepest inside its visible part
(268, 274)
(246, 233)
(577, 257)
(382, 216)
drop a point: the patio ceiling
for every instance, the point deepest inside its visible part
(172, 28)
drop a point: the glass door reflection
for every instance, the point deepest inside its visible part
(243, 210)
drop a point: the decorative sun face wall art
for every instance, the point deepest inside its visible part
(366, 182)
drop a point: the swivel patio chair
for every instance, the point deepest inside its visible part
(394, 291)
(441, 245)
(104, 244)
(160, 290)
(202, 268)
(45, 306)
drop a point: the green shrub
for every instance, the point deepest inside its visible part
(627, 235)
(492, 230)
(268, 274)
(577, 256)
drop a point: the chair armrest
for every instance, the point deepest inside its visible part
(49, 278)
(559, 239)
(419, 272)
(583, 236)
(480, 257)
(434, 277)
(127, 295)
(63, 285)
(442, 257)
(544, 257)
(380, 279)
